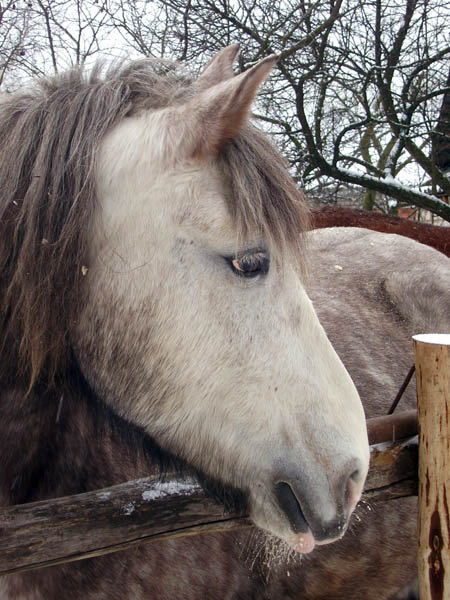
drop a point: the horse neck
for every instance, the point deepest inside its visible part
(66, 441)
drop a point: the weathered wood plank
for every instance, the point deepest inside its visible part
(432, 357)
(103, 521)
(392, 463)
(75, 527)
(386, 428)
(393, 470)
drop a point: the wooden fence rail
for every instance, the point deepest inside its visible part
(66, 529)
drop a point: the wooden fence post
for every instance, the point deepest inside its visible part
(432, 356)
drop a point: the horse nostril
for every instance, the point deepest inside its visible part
(353, 491)
(356, 476)
(291, 507)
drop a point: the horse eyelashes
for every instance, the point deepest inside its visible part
(251, 264)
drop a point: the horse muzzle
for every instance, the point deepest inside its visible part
(318, 507)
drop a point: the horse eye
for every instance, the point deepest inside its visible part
(251, 264)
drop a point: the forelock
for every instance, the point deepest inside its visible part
(264, 196)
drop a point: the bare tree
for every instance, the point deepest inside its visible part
(378, 79)
(359, 85)
(14, 36)
(441, 138)
(356, 97)
(38, 37)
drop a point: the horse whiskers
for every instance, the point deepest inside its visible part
(366, 502)
(266, 553)
(278, 553)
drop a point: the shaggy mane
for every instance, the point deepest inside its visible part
(49, 136)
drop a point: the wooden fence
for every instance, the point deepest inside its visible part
(65, 529)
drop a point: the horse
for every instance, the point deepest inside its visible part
(436, 236)
(156, 275)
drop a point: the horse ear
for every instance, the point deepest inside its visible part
(219, 68)
(219, 112)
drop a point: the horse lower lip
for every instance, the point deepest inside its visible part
(304, 543)
(291, 507)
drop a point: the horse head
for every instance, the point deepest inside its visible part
(192, 319)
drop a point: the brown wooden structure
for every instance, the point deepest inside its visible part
(432, 357)
(436, 236)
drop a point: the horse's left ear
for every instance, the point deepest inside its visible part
(218, 113)
(219, 68)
